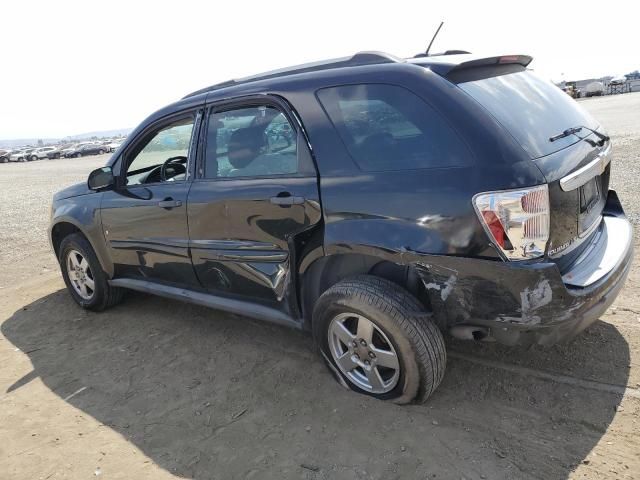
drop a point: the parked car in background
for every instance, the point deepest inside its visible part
(40, 153)
(105, 144)
(21, 155)
(114, 145)
(376, 202)
(86, 149)
(4, 156)
(16, 155)
(58, 151)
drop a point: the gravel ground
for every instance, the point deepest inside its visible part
(159, 389)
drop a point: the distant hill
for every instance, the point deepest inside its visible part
(19, 142)
(101, 133)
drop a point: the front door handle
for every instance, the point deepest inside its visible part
(286, 199)
(169, 203)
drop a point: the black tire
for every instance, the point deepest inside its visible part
(4, 159)
(417, 341)
(100, 152)
(104, 295)
(33, 158)
(78, 155)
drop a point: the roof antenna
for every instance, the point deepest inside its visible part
(426, 54)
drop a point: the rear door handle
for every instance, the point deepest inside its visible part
(286, 200)
(169, 203)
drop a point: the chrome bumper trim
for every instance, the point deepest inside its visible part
(606, 249)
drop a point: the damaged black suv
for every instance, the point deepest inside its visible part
(374, 201)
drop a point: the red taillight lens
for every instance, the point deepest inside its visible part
(516, 220)
(493, 222)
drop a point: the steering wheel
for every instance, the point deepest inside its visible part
(173, 165)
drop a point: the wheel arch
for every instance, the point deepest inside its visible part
(328, 270)
(65, 227)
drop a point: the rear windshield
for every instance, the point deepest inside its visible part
(386, 127)
(531, 109)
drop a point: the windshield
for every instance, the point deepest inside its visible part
(531, 109)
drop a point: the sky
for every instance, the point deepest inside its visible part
(70, 67)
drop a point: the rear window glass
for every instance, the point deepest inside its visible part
(531, 109)
(386, 127)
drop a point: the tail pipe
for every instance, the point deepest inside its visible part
(470, 332)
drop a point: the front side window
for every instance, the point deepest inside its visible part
(162, 157)
(386, 127)
(250, 142)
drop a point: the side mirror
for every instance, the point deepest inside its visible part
(101, 179)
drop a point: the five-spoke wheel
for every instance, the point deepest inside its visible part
(80, 274)
(83, 274)
(363, 353)
(379, 339)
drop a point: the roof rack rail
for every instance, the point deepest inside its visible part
(357, 60)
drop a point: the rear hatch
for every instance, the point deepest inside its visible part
(576, 166)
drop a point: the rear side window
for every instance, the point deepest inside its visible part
(386, 127)
(250, 142)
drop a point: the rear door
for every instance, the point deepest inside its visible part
(255, 197)
(145, 217)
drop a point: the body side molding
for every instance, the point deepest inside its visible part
(230, 305)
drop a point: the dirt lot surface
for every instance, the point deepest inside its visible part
(159, 389)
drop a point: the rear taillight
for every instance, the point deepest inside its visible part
(517, 221)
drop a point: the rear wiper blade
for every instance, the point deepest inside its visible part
(565, 133)
(573, 130)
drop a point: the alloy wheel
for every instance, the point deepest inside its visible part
(80, 275)
(363, 353)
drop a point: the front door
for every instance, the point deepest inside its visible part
(255, 197)
(145, 217)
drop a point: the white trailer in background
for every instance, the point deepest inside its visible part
(594, 89)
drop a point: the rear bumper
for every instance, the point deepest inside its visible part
(525, 304)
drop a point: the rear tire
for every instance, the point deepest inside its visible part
(33, 158)
(399, 325)
(86, 281)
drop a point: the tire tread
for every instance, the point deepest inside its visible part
(409, 314)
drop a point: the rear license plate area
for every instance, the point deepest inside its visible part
(589, 194)
(591, 204)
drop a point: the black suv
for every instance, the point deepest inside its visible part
(371, 200)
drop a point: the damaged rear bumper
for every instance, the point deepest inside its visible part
(534, 303)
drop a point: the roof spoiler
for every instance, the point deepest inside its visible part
(523, 60)
(486, 65)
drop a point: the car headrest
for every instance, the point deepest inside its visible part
(249, 137)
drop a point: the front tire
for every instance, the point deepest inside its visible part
(378, 338)
(33, 158)
(86, 281)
